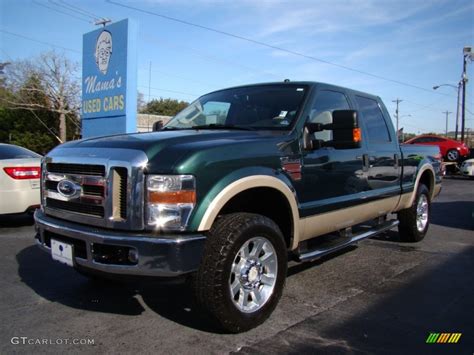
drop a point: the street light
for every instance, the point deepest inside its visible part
(458, 88)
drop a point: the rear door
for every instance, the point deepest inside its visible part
(381, 161)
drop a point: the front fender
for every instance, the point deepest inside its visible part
(236, 182)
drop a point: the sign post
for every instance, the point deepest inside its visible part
(109, 80)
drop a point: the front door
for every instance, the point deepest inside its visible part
(331, 178)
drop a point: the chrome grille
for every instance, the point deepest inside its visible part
(82, 208)
(122, 173)
(79, 169)
(104, 187)
(84, 194)
(88, 195)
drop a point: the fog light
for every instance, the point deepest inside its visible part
(133, 256)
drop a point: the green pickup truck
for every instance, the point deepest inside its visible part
(233, 187)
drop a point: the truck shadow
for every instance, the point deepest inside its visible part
(62, 284)
(16, 220)
(453, 214)
(173, 301)
(390, 317)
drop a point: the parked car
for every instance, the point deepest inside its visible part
(20, 171)
(467, 168)
(225, 199)
(451, 149)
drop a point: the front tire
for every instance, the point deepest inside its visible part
(415, 220)
(242, 274)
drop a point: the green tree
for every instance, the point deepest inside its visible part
(165, 107)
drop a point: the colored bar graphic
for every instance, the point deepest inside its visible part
(443, 338)
(432, 338)
(454, 338)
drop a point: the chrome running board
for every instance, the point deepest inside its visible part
(342, 242)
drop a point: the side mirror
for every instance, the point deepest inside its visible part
(345, 131)
(157, 126)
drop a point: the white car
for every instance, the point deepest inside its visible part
(20, 171)
(467, 168)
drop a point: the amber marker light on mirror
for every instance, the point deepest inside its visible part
(357, 135)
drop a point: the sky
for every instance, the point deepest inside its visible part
(390, 48)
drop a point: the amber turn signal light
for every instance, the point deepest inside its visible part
(172, 197)
(356, 135)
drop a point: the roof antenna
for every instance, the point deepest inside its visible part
(286, 80)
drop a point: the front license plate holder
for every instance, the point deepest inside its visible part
(62, 252)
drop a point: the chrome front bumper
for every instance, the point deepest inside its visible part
(158, 255)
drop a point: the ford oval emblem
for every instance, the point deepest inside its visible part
(68, 188)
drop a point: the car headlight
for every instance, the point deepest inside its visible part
(170, 201)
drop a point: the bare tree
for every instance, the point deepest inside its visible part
(55, 77)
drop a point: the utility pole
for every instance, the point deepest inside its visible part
(463, 109)
(149, 93)
(466, 53)
(396, 114)
(460, 85)
(447, 114)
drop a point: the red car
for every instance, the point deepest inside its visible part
(450, 149)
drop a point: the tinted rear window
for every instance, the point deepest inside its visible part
(15, 152)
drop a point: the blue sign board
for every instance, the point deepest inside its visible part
(109, 80)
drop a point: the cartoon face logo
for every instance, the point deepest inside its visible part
(103, 51)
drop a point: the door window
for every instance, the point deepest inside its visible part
(377, 130)
(325, 103)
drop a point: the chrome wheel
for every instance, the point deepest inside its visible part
(253, 274)
(422, 213)
(453, 155)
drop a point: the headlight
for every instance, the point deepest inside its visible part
(170, 201)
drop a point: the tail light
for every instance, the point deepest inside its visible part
(24, 172)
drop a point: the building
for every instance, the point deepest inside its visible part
(145, 121)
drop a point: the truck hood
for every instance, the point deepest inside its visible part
(165, 149)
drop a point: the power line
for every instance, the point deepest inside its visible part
(212, 57)
(260, 43)
(38, 41)
(179, 77)
(44, 124)
(423, 107)
(76, 8)
(171, 91)
(60, 11)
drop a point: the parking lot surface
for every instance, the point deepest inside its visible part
(379, 297)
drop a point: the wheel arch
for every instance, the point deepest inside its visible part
(426, 176)
(256, 187)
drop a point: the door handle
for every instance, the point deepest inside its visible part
(365, 162)
(396, 161)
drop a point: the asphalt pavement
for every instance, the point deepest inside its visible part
(380, 297)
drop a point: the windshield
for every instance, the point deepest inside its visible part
(272, 107)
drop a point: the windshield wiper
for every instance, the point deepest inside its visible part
(173, 128)
(223, 126)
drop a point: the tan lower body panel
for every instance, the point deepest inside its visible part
(332, 221)
(407, 199)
